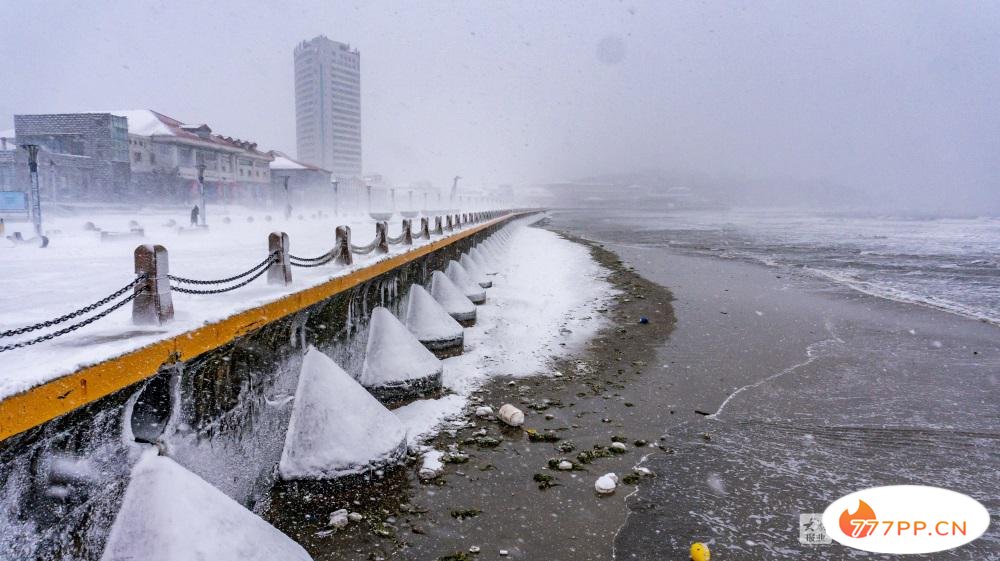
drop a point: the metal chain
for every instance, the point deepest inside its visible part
(263, 263)
(73, 327)
(364, 249)
(228, 288)
(326, 259)
(320, 258)
(71, 315)
(397, 240)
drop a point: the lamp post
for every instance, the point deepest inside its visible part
(36, 203)
(336, 188)
(392, 197)
(201, 195)
(368, 189)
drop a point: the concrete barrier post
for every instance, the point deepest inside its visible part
(280, 270)
(342, 247)
(407, 232)
(448, 223)
(381, 237)
(152, 304)
(425, 228)
(458, 220)
(438, 229)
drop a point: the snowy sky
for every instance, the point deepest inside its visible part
(887, 97)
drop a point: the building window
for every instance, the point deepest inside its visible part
(137, 156)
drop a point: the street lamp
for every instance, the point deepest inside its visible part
(336, 186)
(392, 196)
(368, 189)
(201, 194)
(36, 203)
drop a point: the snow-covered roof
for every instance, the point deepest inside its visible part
(8, 134)
(283, 162)
(146, 122)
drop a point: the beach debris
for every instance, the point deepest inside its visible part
(588, 456)
(339, 519)
(484, 411)
(640, 443)
(544, 481)
(618, 438)
(455, 458)
(700, 552)
(564, 465)
(474, 549)
(355, 517)
(566, 446)
(535, 436)
(606, 484)
(487, 442)
(618, 448)
(644, 471)
(630, 479)
(432, 465)
(462, 514)
(643, 320)
(504, 553)
(511, 415)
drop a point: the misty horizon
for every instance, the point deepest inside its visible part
(887, 104)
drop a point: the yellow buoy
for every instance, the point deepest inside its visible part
(699, 552)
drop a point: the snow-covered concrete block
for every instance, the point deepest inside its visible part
(475, 272)
(432, 325)
(169, 513)
(458, 275)
(484, 264)
(337, 428)
(397, 365)
(452, 299)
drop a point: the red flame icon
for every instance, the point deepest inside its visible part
(861, 523)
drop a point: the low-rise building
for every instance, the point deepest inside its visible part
(165, 154)
(294, 182)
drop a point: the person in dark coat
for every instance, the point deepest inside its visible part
(194, 215)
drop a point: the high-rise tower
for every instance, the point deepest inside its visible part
(328, 106)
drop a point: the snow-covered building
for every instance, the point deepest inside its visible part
(305, 182)
(165, 154)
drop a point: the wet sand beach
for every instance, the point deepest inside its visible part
(761, 394)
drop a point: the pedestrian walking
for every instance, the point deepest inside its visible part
(194, 215)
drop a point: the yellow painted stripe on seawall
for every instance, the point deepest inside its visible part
(47, 401)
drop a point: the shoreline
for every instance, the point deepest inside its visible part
(492, 500)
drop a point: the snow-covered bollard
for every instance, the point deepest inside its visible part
(511, 415)
(337, 428)
(475, 272)
(458, 275)
(342, 246)
(280, 270)
(606, 484)
(452, 299)
(432, 325)
(169, 513)
(397, 365)
(152, 304)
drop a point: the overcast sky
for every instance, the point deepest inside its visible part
(880, 96)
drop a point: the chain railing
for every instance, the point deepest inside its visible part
(153, 284)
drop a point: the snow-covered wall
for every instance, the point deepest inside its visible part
(222, 415)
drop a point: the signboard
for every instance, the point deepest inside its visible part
(13, 201)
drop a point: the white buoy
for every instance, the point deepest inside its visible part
(458, 275)
(397, 365)
(169, 513)
(511, 415)
(475, 272)
(337, 428)
(452, 299)
(431, 324)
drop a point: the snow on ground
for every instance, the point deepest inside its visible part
(78, 269)
(543, 306)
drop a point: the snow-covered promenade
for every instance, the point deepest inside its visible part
(78, 268)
